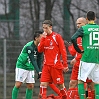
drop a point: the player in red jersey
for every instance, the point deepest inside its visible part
(53, 47)
(72, 92)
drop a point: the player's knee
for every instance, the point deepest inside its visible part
(30, 86)
(61, 86)
(73, 84)
(45, 84)
(18, 84)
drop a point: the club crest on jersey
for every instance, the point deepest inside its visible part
(51, 42)
(29, 51)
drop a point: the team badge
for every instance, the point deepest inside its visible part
(51, 42)
(29, 51)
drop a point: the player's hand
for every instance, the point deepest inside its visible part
(39, 75)
(44, 34)
(73, 61)
(66, 69)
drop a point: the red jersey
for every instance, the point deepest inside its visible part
(73, 52)
(53, 48)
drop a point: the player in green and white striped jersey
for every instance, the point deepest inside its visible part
(89, 64)
(28, 61)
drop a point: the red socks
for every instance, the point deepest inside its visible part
(43, 92)
(72, 93)
(91, 94)
(63, 93)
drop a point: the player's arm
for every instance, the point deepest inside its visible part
(32, 59)
(78, 57)
(70, 47)
(40, 60)
(79, 33)
(62, 50)
(79, 42)
(72, 50)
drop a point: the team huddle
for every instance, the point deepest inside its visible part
(48, 56)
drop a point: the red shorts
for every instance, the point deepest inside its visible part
(74, 74)
(51, 74)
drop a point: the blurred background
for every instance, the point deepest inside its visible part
(18, 21)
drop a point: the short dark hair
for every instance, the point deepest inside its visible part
(90, 15)
(48, 22)
(37, 34)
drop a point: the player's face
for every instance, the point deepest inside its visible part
(80, 23)
(47, 29)
(38, 38)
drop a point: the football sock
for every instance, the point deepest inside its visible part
(69, 93)
(93, 94)
(29, 93)
(43, 92)
(15, 92)
(54, 88)
(72, 92)
(63, 92)
(96, 91)
(81, 91)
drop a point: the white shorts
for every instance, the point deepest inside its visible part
(90, 70)
(25, 76)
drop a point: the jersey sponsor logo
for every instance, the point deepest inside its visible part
(92, 47)
(50, 47)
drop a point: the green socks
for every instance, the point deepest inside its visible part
(96, 91)
(81, 90)
(15, 92)
(29, 93)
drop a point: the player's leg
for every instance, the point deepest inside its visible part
(63, 91)
(45, 79)
(58, 79)
(43, 90)
(29, 91)
(85, 70)
(96, 91)
(30, 84)
(72, 91)
(15, 90)
(90, 87)
(95, 79)
(81, 89)
(19, 77)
